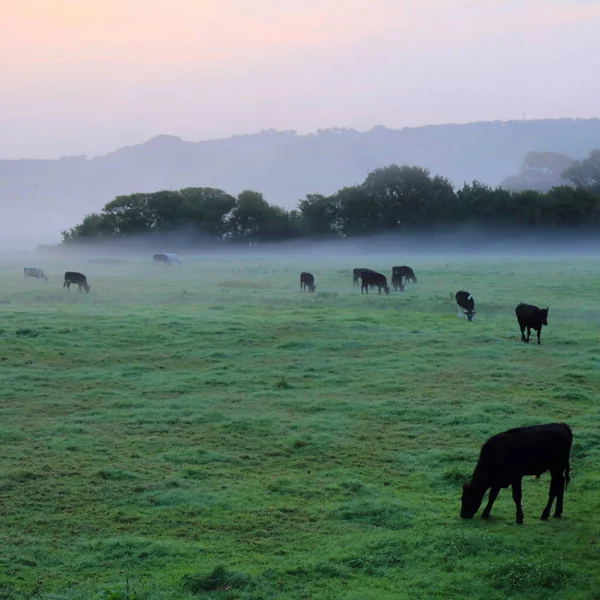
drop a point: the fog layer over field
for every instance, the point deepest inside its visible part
(398, 248)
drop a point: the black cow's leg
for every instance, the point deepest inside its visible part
(539, 333)
(523, 332)
(557, 488)
(517, 494)
(560, 492)
(379, 291)
(528, 332)
(492, 497)
(551, 496)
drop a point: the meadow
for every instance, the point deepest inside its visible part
(209, 431)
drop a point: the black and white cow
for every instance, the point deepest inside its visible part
(34, 272)
(508, 456)
(79, 279)
(466, 305)
(531, 317)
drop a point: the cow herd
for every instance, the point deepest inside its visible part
(528, 316)
(506, 457)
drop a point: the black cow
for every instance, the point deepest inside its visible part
(34, 272)
(404, 272)
(506, 457)
(79, 279)
(307, 281)
(357, 274)
(531, 317)
(373, 280)
(466, 305)
(397, 282)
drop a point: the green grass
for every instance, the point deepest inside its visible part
(241, 439)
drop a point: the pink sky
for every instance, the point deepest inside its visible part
(88, 76)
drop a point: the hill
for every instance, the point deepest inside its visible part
(50, 195)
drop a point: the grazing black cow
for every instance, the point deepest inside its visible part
(166, 259)
(374, 280)
(405, 273)
(506, 457)
(34, 272)
(531, 317)
(307, 281)
(79, 279)
(397, 282)
(357, 274)
(466, 305)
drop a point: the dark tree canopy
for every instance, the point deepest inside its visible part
(392, 199)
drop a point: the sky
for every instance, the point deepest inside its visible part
(89, 76)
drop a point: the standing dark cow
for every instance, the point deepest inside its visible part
(397, 282)
(307, 281)
(531, 317)
(506, 457)
(405, 273)
(466, 305)
(357, 274)
(34, 272)
(374, 280)
(78, 278)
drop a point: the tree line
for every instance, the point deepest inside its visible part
(392, 199)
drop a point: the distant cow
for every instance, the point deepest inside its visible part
(405, 273)
(166, 259)
(34, 272)
(397, 282)
(531, 317)
(373, 280)
(307, 281)
(506, 457)
(78, 278)
(357, 273)
(466, 305)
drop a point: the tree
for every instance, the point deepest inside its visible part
(540, 172)
(407, 197)
(130, 214)
(253, 219)
(94, 225)
(320, 215)
(586, 173)
(479, 203)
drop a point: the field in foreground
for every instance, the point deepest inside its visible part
(209, 431)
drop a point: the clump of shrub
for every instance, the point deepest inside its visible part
(219, 579)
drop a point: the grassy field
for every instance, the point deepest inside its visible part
(211, 432)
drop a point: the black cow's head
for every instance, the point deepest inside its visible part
(87, 288)
(414, 279)
(544, 315)
(311, 288)
(470, 315)
(386, 289)
(471, 501)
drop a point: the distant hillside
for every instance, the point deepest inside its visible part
(41, 197)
